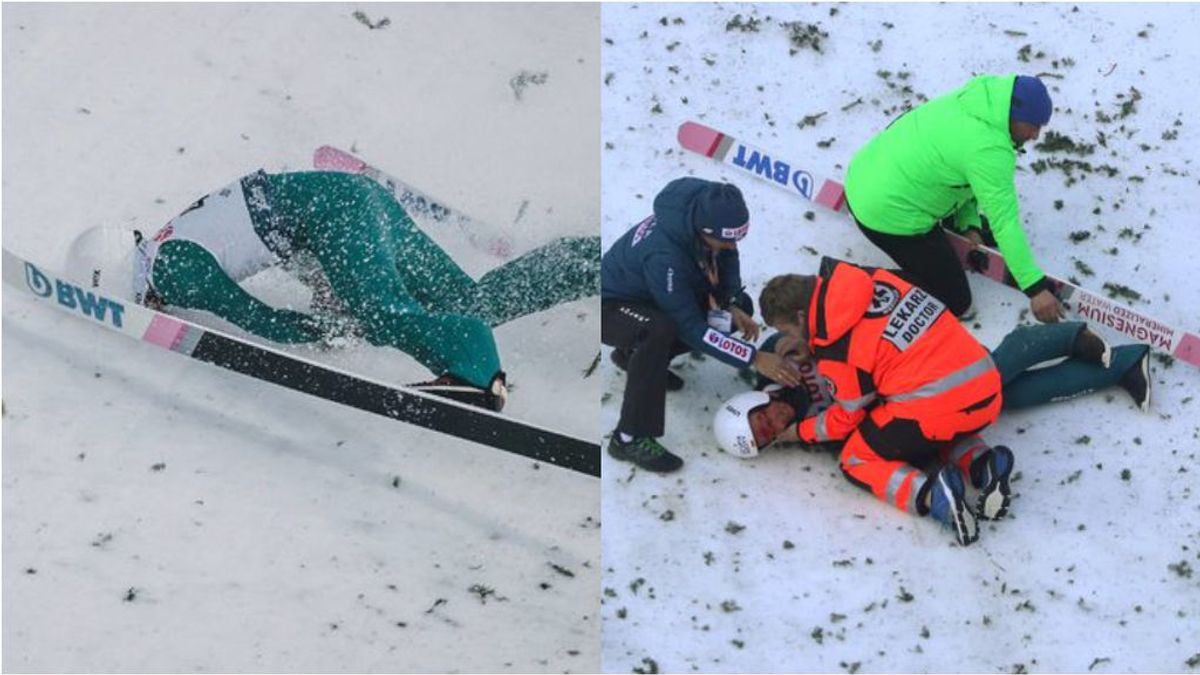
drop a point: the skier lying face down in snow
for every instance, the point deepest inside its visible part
(396, 285)
(911, 387)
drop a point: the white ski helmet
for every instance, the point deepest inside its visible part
(102, 257)
(731, 424)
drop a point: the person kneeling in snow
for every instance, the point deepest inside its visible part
(672, 284)
(911, 387)
(399, 287)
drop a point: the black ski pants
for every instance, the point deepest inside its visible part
(930, 261)
(649, 336)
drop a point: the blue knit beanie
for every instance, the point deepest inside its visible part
(1030, 101)
(720, 212)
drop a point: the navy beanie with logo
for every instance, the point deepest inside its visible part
(721, 212)
(1030, 101)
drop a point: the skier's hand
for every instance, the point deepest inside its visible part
(777, 368)
(1046, 307)
(975, 236)
(745, 323)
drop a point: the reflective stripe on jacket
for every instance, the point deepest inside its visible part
(879, 339)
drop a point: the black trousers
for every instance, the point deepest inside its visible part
(928, 260)
(649, 337)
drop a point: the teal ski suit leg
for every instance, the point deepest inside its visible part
(563, 270)
(1029, 345)
(186, 275)
(357, 232)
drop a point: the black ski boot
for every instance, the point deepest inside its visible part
(1136, 381)
(457, 389)
(1092, 348)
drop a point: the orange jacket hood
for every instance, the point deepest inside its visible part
(852, 287)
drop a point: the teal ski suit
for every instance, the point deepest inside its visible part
(1026, 382)
(401, 289)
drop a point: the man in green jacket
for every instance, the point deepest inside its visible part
(938, 166)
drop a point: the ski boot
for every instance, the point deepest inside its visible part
(457, 389)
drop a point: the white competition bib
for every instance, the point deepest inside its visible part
(220, 222)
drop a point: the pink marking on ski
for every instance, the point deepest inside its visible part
(1189, 349)
(164, 332)
(963, 246)
(832, 195)
(329, 158)
(699, 138)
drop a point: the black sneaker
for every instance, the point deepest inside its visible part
(1092, 348)
(456, 389)
(620, 359)
(646, 452)
(1136, 381)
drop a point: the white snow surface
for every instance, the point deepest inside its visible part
(163, 515)
(779, 563)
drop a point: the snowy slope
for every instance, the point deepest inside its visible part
(779, 564)
(163, 515)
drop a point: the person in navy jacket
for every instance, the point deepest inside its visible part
(669, 285)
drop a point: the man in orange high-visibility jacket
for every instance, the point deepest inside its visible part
(911, 386)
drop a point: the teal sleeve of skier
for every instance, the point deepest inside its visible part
(991, 178)
(1024, 387)
(186, 275)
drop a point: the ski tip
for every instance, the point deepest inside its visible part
(329, 158)
(832, 195)
(699, 138)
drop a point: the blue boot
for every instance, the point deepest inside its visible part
(948, 505)
(990, 474)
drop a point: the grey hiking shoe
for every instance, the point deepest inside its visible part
(646, 452)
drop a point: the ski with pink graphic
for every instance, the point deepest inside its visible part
(791, 177)
(419, 206)
(403, 403)
(1079, 302)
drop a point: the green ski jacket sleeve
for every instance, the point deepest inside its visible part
(991, 179)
